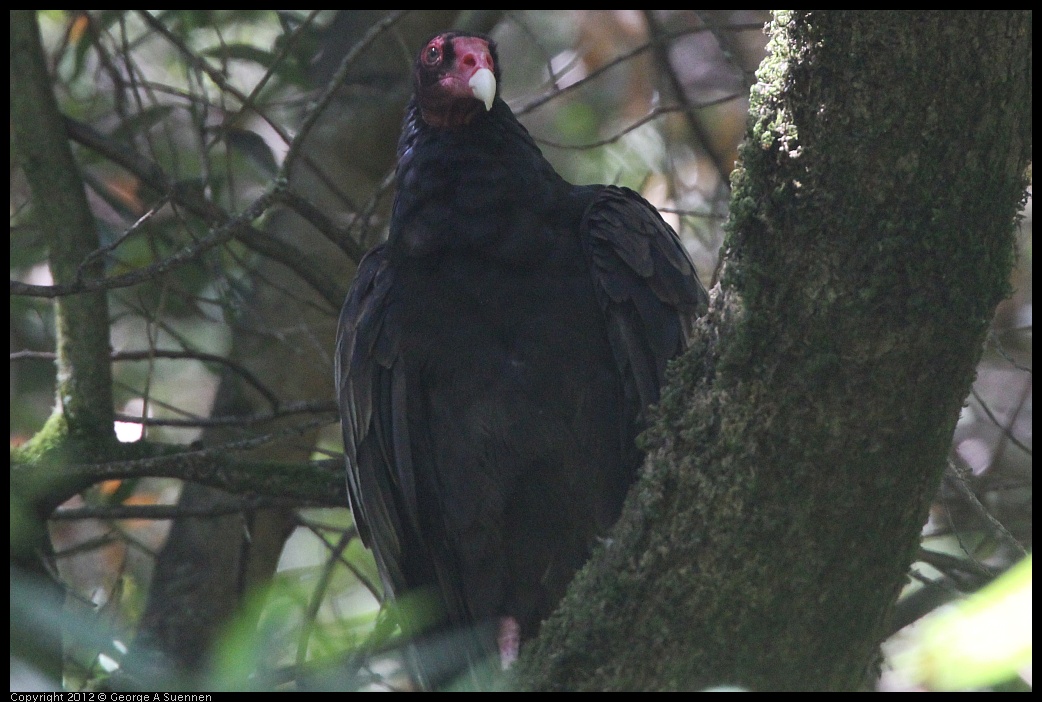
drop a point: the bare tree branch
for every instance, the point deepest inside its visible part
(318, 482)
(310, 407)
(166, 512)
(318, 107)
(189, 253)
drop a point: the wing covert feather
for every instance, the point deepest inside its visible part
(647, 284)
(371, 393)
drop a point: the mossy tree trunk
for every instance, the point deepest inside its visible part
(60, 210)
(805, 433)
(82, 421)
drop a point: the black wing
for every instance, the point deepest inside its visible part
(381, 478)
(647, 286)
(370, 391)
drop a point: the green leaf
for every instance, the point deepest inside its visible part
(142, 122)
(242, 52)
(981, 641)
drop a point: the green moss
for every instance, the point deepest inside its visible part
(49, 439)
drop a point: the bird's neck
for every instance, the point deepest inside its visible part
(481, 187)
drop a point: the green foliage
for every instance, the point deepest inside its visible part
(981, 641)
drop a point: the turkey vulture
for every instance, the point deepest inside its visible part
(495, 358)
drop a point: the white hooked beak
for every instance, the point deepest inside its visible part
(483, 85)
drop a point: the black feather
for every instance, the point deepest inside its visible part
(494, 363)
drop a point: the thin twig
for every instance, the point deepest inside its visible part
(318, 107)
(651, 116)
(217, 236)
(621, 58)
(196, 203)
(961, 482)
(163, 512)
(658, 40)
(236, 420)
(215, 75)
(993, 338)
(213, 466)
(318, 219)
(317, 595)
(287, 44)
(1006, 431)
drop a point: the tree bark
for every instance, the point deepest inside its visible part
(804, 434)
(60, 210)
(83, 409)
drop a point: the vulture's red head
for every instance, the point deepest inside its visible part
(456, 78)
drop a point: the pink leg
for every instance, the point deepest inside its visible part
(509, 640)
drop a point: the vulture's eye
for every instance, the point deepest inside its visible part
(432, 55)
